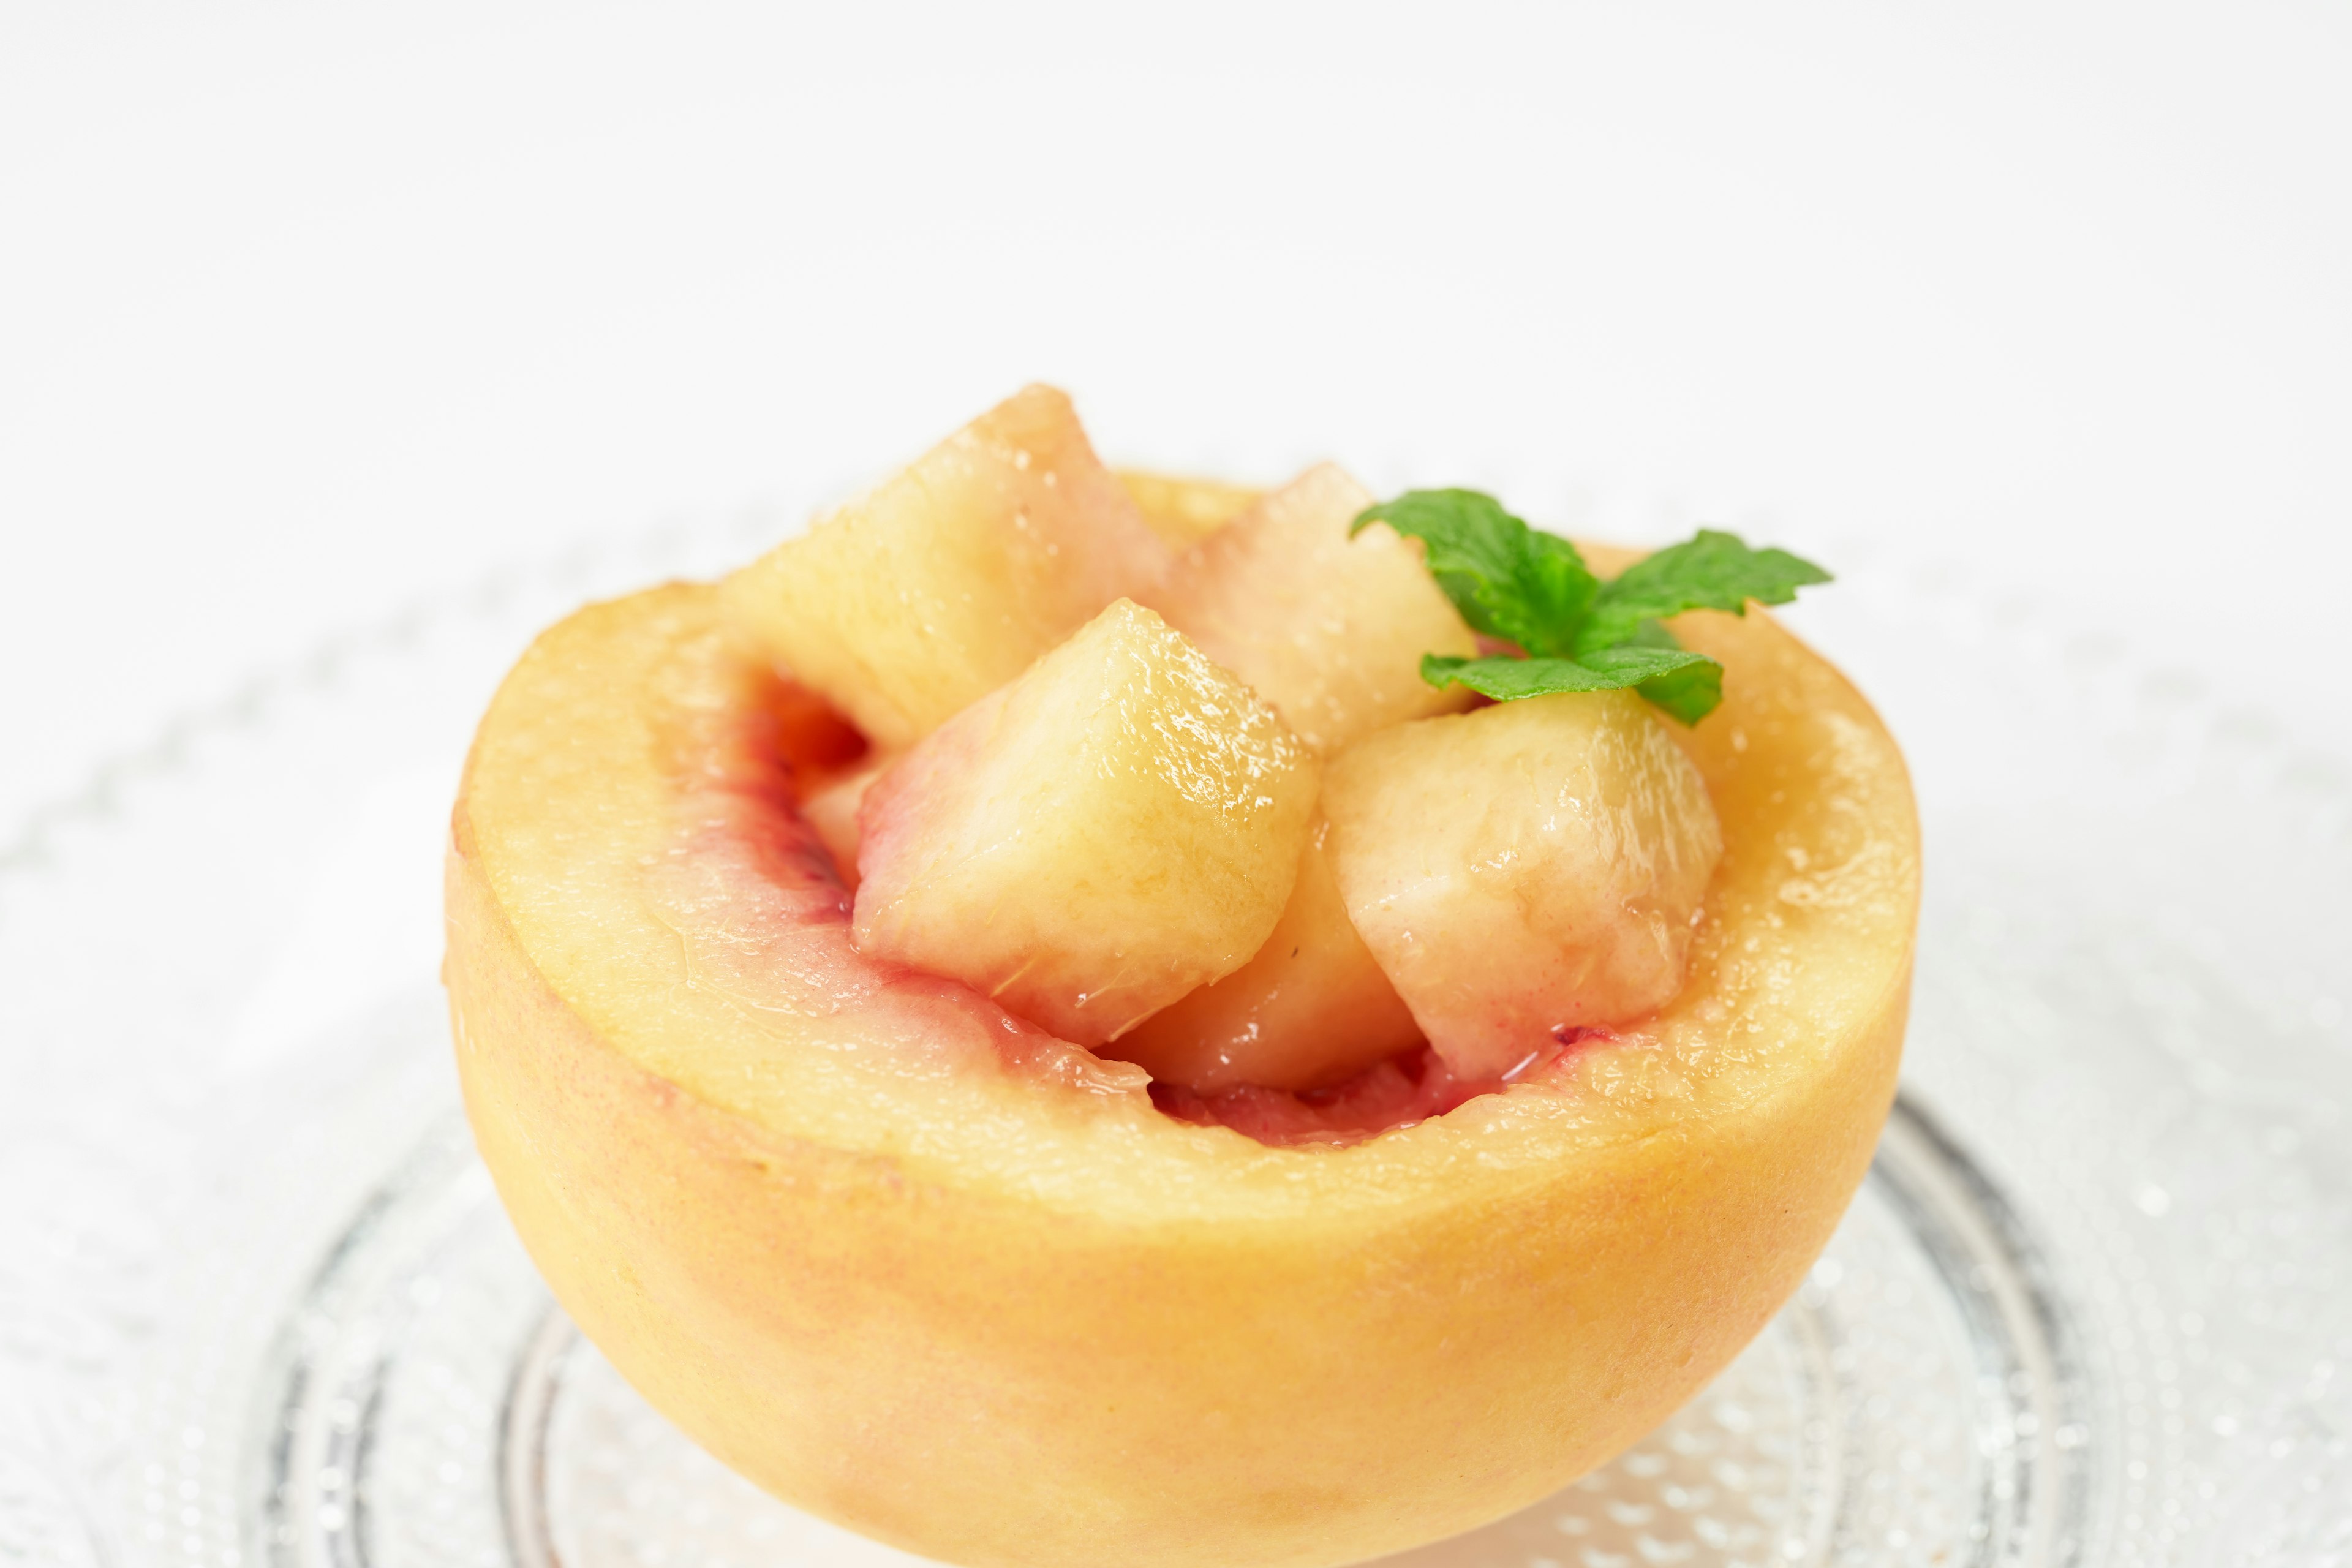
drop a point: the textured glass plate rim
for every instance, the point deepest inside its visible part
(2312, 788)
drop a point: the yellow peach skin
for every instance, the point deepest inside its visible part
(923, 1270)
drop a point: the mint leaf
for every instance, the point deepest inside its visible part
(1715, 570)
(1682, 676)
(1507, 580)
(1689, 693)
(1506, 679)
(1521, 586)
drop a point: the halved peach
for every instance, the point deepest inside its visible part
(929, 1271)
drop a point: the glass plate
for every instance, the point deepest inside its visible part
(259, 1304)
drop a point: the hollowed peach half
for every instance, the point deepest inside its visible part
(919, 1267)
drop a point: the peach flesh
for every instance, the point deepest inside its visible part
(933, 1274)
(1309, 1010)
(1087, 844)
(1183, 511)
(1525, 867)
(920, 597)
(1327, 627)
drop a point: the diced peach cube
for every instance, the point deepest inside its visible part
(1184, 511)
(918, 599)
(1328, 629)
(1118, 826)
(831, 810)
(1310, 1009)
(1524, 869)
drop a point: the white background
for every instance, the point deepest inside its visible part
(306, 311)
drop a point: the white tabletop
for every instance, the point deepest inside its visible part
(306, 311)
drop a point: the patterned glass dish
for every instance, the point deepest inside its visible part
(259, 1304)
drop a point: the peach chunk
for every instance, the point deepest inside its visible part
(918, 599)
(1524, 869)
(1120, 824)
(1183, 511)
(1310, 1009)
(832, 811)
(1328, 629)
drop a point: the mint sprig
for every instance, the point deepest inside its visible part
(1521, 586)
(1508, 580)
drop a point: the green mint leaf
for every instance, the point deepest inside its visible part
(1506, 679)
(1508, 580)
(1521, 585)
(1682, 677)
(1715, 570)
(1689, 693)
(1688, 690)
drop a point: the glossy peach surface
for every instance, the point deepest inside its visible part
(1119, 825)
(1183, 511)
(1524, 869)
(921, 596)
(925, 1270)
(1329, 628)
(1309, 1009)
